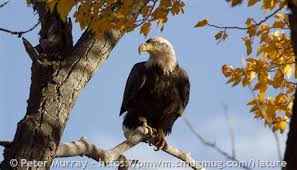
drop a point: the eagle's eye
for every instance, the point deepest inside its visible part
(155, 43)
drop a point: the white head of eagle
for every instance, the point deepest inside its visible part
(161, 53)
(156, 92)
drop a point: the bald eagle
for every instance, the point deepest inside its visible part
(156, 92)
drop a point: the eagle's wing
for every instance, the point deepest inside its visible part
(184, 90)
(134, 83)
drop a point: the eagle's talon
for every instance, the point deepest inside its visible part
(160, 141)
(155, 137)
(162, 144)
(151, 131)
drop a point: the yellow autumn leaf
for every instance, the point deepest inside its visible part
(263, 28)
(145, 11)
(65, 6)
(235, 2)
(161, 21)
(288, 71)
(253, 102)
(278, 79)
(290, 88)
(254, 108)
(252, 2)
(202, 23)
(258, 115)
(282, 126)
(177, 8)
(248, 44)
(278, 24)
(219, 35)
(279, 16)
(248, 78)
(268, 4)
(145, 28)
(265, 37)
(261, 96)
(281, 99)
(227, 70)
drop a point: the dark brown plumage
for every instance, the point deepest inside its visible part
(157, 90)
(158, 97)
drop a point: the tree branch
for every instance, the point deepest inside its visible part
(246, 28)
(229, 125)
(213, 145)
(278, 147)
(19, 33)
(83, 148)
(4, 3)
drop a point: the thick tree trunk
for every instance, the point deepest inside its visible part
(291, 145)
(55, 86)
(54, 89)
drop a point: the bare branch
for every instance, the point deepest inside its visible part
(278, 147)
(229, 125)
(142, 21)
(84, 148)
(246, 28)
(19, 33)
(212, 145)
(4, 3)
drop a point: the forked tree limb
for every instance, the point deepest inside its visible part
(83, 148)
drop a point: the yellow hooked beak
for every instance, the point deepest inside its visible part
(144, 47)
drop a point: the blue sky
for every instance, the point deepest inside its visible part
(95, 114)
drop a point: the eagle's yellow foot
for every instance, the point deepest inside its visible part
(151, 131)
(160, 141)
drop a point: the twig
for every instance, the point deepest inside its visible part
(278, 147)
(143, 20)
(19, 33)
(245, 28)
(4, 3)
(229, 125)
(213, 145)
(84, 148)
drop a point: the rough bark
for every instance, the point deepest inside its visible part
(291, 145)
(55, 85)
(84, 148)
